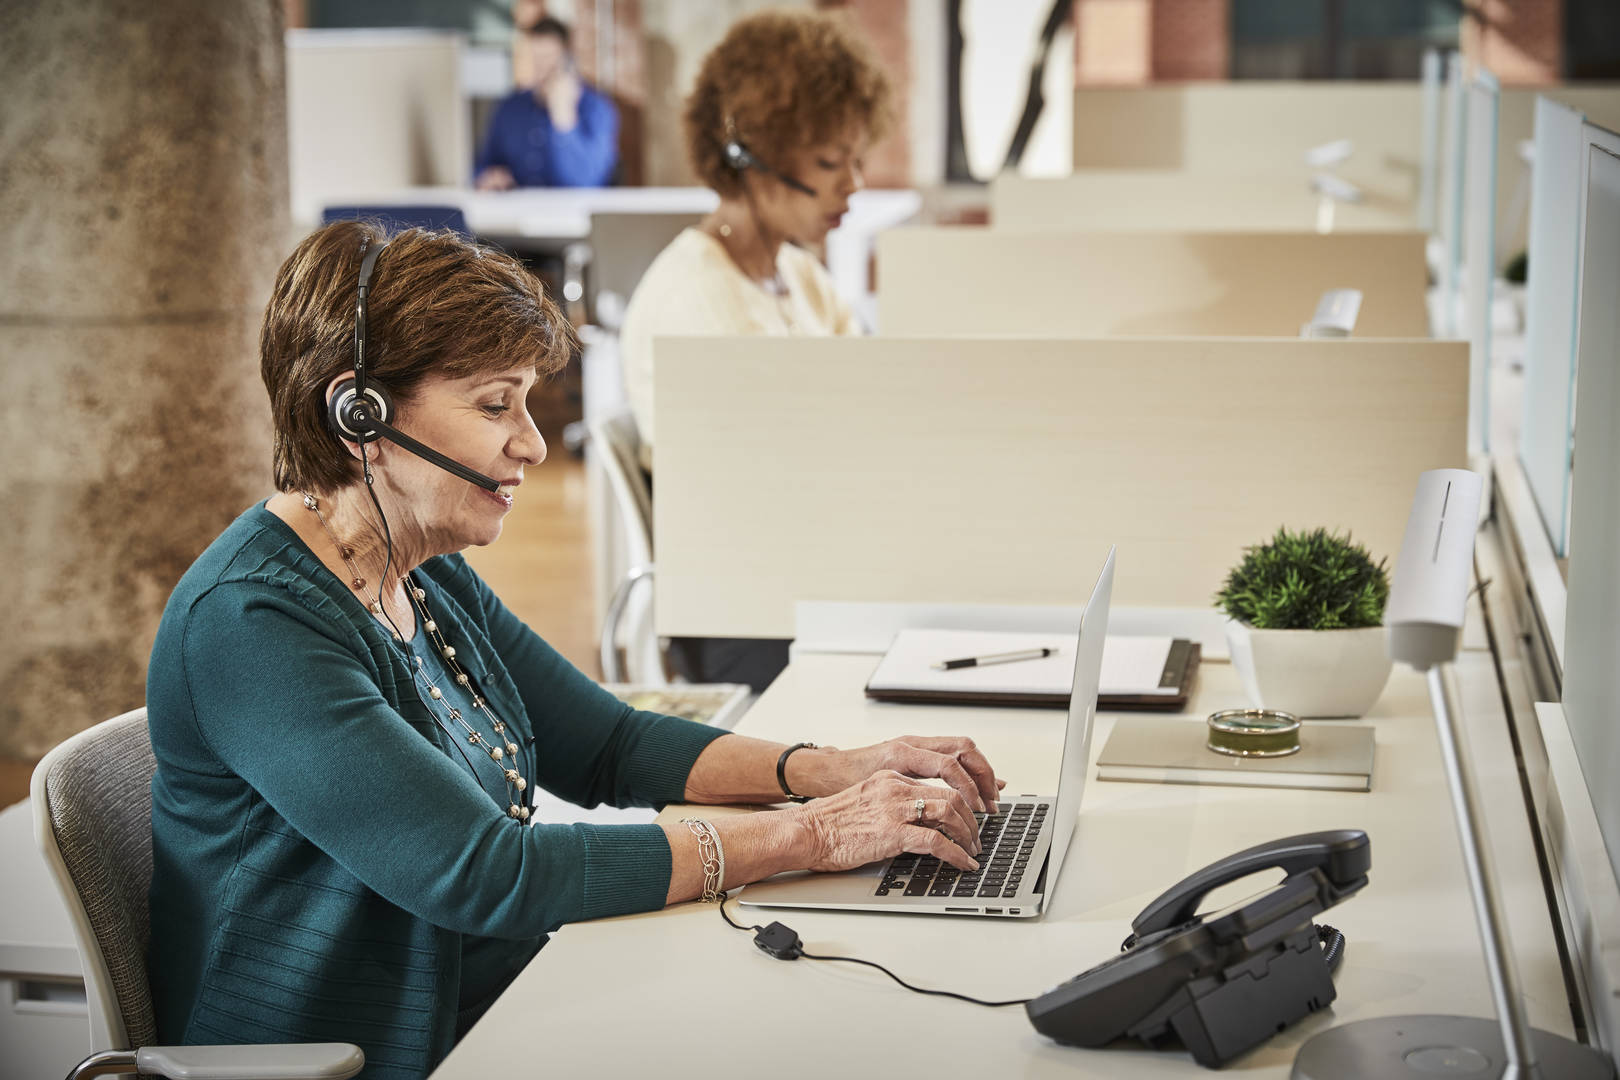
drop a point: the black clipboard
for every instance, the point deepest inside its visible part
(1180, 671)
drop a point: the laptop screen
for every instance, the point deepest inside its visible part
(1082, 708)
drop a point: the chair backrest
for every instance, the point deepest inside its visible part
(395, 218)
(619, 450)
(92, 801)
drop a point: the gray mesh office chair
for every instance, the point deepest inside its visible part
(92, 802)
(617, 446)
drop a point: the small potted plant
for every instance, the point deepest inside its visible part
(1305, 624)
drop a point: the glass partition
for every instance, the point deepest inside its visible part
(1428, 162)
(1479, 247)
(1592, 623)
(1550, 300)
(1451, 181)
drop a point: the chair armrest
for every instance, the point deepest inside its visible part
(612, 670)
(265, 1061)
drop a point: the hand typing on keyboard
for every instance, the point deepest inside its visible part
(880, 817)
(953, 759)
(1007, 842)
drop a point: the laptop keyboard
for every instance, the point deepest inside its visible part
(1008, 839)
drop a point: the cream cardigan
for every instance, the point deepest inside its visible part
(693, 287)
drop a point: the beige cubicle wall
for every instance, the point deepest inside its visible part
(1256, 127)
(998, 470)
(1264, 127)
(371, 111)
(969, 280)
(1171, 200)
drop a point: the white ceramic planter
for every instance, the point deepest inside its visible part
(1311, 673)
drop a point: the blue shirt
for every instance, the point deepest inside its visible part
(522, 138)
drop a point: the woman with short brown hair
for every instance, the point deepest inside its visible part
(347, 721)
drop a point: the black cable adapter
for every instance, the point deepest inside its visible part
(778, 941)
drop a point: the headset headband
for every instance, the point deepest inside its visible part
(368, 262)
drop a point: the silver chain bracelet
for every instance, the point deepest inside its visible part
(713, 856)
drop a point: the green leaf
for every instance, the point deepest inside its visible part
(1313, 580)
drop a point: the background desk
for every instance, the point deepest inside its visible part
(678, 993)
(540, 215)
(547, 219)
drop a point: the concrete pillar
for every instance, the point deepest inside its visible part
(143, 213)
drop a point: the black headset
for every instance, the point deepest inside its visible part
(361, 412)
(739, 157)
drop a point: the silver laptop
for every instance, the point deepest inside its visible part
(1024, 840)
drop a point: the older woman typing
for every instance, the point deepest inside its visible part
(348, 722)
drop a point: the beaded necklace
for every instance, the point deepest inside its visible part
(515, 783)
(517, 808)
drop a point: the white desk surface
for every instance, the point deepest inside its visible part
(531, 213)
(678, 993)
(563, 214)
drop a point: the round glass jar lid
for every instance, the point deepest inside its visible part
(1254, 733)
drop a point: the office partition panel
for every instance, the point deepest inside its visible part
(1479, 247)
(1452, 144)
(1399, 132)
(1169, 200)
(998, 470)
(1515, 125)
(371, 111)
(1256, 128)
(1552, 295)
(1090, 284)
(1592, 628)
(1429, 155)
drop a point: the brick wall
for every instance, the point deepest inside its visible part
(886, 27)
(1191, 39)
(1518, 41)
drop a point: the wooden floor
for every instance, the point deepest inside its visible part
(541, 568)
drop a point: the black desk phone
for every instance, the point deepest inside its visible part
(1225, 981)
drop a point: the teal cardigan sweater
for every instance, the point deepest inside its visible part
(323, 857)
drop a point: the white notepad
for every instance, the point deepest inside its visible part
(1131, 666)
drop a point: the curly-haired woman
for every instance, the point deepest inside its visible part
(801, 98)
(776, 124)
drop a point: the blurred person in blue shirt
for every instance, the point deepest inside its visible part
(559, 133)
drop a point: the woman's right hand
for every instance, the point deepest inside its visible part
(878, 818)
(495, 178)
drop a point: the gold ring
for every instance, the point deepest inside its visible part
(919, 806)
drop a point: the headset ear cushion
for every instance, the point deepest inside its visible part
(347, 417)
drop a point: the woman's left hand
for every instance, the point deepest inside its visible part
(953, 759)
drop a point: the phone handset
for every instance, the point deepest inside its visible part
(1342, 856)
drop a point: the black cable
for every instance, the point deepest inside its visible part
(1332, 942)
(382, 581)
(786, 946)
(734, 925)
(918, 989)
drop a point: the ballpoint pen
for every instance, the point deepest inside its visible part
(994, 658)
